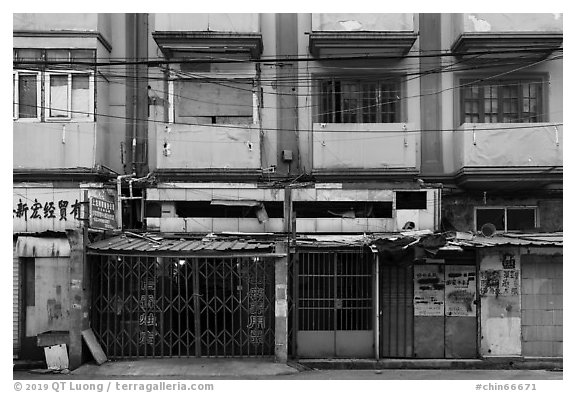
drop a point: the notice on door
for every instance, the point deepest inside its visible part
(460, 291)
(428, 290)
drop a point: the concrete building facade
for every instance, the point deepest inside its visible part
(299, 140)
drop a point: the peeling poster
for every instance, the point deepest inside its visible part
(428, 290)
(460, 291)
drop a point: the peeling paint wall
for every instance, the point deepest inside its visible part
(56, 21)
(501, 22)
(240, 23)
(500, 302)
(51, 310)
(363, 22)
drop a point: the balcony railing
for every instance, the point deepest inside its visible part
(365, 146)
(54, 145)
(508, 145)
(180, 146)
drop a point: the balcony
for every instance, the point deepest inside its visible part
(507, 153)
(473, 33)
(365, 149)
(208, 149)
(204, 34)
(377, 34)
(35, 26)
(46, 146)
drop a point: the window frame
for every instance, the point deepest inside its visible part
(16, 96)
(69, 118)
(170, 97)
(506, 208)
(393, 79)
(467, 80)
(43, 86)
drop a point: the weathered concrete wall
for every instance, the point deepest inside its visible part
(54, 145)
(502, 22)
(362, 22)
(238, 23)
(56, 21)
(499, 303)
(459, 210)
(189, 146)
(51, 310)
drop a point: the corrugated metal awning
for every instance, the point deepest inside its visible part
(157, 245)
(519, 239)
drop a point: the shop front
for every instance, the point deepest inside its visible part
(183, 298)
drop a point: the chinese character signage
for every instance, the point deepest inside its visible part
(499, 282)
(102, 213)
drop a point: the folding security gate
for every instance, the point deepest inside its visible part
(334, 304)
(146, 306)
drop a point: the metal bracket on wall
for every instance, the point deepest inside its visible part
(405, 129)
(556, 134)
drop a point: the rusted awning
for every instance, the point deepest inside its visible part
(158, 245)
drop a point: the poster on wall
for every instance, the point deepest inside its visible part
(460, 291)
(428, 290)
(499, 282)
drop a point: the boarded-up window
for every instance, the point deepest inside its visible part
(214, 101)
(58, 96)
(80, 96)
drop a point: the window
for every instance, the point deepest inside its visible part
(26, 99)
(68, 96)
(406, 200)
(355, 101)
(502, 101)
(53, 92)
(507, 218)
(213, 101)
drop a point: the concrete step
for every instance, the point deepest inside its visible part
(486, 364)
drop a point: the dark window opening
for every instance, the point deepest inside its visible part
(490, 216)
(343, 209)
(502, 101)
(521, 219)
(153, 209)
(207, 209)
(411, 200)
(359, 101)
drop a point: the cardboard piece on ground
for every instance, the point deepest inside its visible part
(94, 346)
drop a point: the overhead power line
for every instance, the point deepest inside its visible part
(286, 59)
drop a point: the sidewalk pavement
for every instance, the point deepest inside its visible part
(185, 367)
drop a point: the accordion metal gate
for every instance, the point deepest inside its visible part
(150, 307)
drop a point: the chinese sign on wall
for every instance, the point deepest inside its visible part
(256, 301)
(147, 317)
(460, 291)
(429, 290)
(38, 209)
(503, 282)
(102, 213)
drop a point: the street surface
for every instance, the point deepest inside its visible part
(492, 375)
